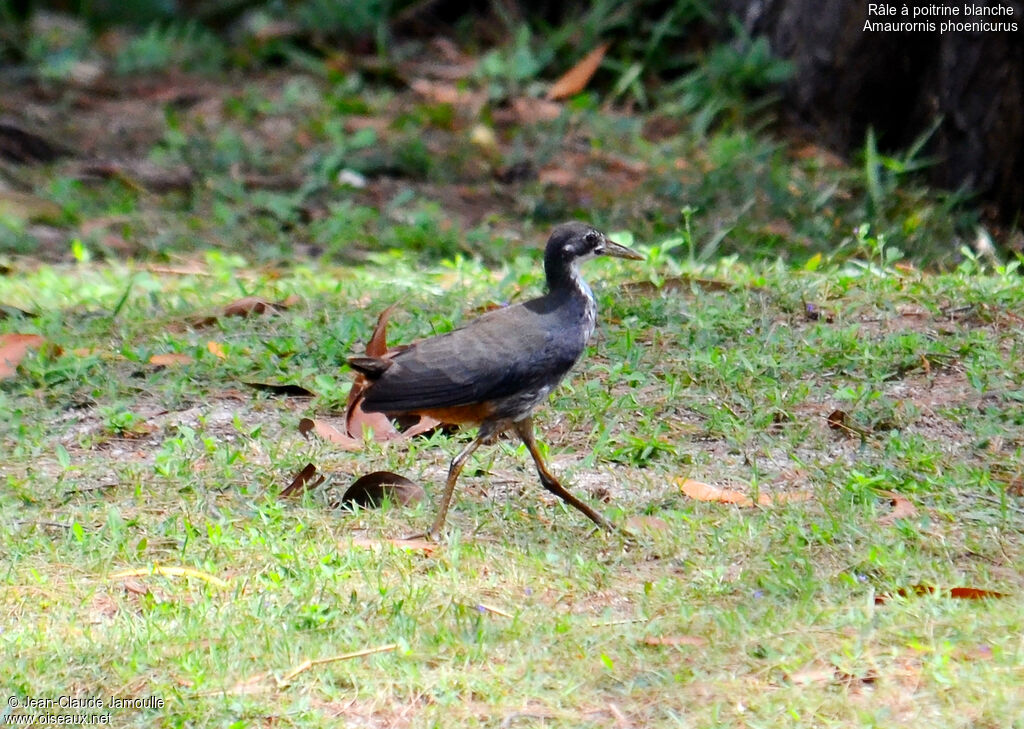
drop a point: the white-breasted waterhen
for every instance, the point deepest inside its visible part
(496, 369)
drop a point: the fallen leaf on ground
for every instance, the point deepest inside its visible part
(249, 305)
(577, 77)
(693, 640)
(356, 419)
(13, 348)
(170, 359)
(246, 306)
(956, 593)
(217, 350)
(305, 480)
(371, 490)
(287, 389)
(327, 432)
(837, 420)
(840, 420)
(705, 492)
(902, 508)
(414, 545)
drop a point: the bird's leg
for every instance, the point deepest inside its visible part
(524, 428)
(454, 470)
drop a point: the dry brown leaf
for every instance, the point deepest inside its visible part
(327, 432)
(705, 492)
(838, 419)
(692, 640)
(957, 593)
(170, 359)
(13, 348)
(973, 593)
(577, 77)
(285, 389)
(902, 508)
(357, 419)
(378, 344)
(305, 480)
(371, 490)
(217, 350)
(248, 305)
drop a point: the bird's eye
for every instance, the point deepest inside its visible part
(591, 238)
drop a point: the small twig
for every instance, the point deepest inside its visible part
(38, 522)
(627, 621)
(496, 611)
(308, 664)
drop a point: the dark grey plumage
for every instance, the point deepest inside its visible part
(496, 369)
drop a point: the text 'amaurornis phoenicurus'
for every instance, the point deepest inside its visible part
(496, 369)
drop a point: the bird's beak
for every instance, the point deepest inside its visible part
(611, 248)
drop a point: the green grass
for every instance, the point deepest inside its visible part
(775, 293)
(728, 384)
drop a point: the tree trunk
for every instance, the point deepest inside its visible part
(849, 78)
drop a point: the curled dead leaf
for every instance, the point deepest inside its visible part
(706, 492)
(216, 349)
(837, 420)
(249, 305)
(170, 359)
(357, 419)
(305, 480)
(956, 593)
(327, 432)
(576, 78)
(373, 489)
(286, 389)
(902, 508)
(244, 307)
(13, 348)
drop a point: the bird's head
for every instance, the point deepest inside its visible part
(571, 243)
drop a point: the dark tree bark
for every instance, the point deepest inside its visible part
(848, 78)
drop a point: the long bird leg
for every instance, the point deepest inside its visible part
(485, 432)
(525, 430)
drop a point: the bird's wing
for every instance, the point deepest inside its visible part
(491, 358)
